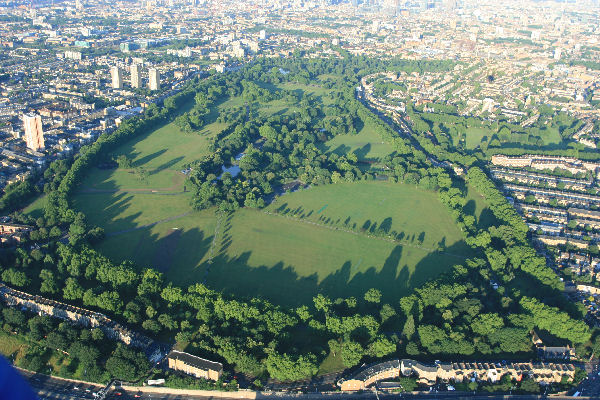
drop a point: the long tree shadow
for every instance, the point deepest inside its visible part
(362, 152)
(281, 283)
(166, 165)
(146, 159)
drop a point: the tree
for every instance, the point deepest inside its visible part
(409, 327)
(15, 278)
(351, 352)
(72, 290)
(151, 325)
(486, 324)
(556, 322)
(381, 347)
(322, 303)
(151, 282)
(77, 230)
(127, 364)
(407, 384)
(529, 386)
(303, 313)
(373, 296)
(15, 318)
(386, 312)
(49, 284)
(283, 367)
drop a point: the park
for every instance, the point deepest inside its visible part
(340, 240)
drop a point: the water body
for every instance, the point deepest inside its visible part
(234, 170)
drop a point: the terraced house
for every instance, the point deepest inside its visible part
(76, 315)
(195, 366)
(428, 374)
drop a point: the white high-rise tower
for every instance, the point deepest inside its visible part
(136, 78)
(154, 79)
(34, 134)
(117, 77)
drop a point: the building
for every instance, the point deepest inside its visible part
(557, 53)
(195, 366)
(74, 314)
(429, 374)
(117, 77)
(13, 232)
(34, 134)
(73, 55)
(136, 77)
(154, 79)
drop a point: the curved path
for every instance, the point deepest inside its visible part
(177, 182)
(148, 225)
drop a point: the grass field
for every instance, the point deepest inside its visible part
(478, 207)
(475, 135)
(283, 256)
(367, 206)
(11, 346)
(366, 144)
(254, 249)
(36, 208)
(289, 260)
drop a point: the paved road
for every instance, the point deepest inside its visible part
(591, 386)
(50, 388)
(363, 396)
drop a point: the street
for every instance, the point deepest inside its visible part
(53, 388)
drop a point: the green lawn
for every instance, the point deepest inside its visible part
(290, 260)
(11, 345)
(287, 260)
(368, 206)
(475, 135)
(478, 207)
(36, 208)
(283, 259)
(366, 144)
(551, 136)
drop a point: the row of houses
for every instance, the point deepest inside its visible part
(429, 374)
(194, 366)
(533, 178)
(80, 316)
(177, 360)
(564, 198)
(540, 162)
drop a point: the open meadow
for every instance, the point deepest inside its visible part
(340, 240)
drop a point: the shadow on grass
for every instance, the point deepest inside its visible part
(281, 284)
(166, 165)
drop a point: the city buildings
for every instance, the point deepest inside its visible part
(136, 78)
(154, 79)
(34, 133)
(76, 315)
(117, 77)
(451, 372)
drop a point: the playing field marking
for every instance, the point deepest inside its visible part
(214, 241)
(355, 267)
(322, 208)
